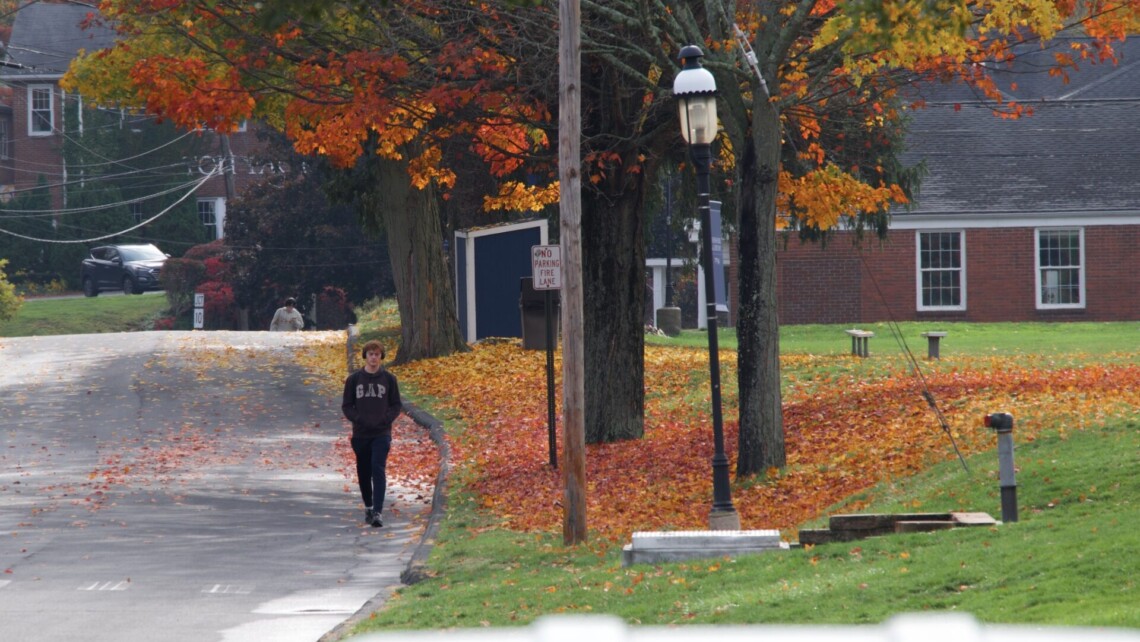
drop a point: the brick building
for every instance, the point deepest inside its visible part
(45, 39)
(1033, 219)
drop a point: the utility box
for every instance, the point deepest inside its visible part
(532, 309)
(489, 261)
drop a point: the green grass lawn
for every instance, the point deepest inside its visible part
(1067, 561)
(51, 316)
(975, 339)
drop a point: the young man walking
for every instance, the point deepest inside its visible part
(371, 402)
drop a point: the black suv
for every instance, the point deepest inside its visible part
(132, 268)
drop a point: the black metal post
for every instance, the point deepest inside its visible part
(1002, 423)
(669, 241)
(548, 308)
(701, 156)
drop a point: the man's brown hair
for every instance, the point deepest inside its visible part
(371, 346)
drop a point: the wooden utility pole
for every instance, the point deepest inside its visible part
(570, 237)
(228, 169)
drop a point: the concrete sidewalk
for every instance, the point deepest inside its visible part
(188, 483)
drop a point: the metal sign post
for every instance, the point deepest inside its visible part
(546, 274)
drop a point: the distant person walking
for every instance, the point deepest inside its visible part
(372, 402)
(287, 318)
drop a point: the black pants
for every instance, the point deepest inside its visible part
(371, 467)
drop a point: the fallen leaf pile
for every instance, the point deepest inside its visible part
(844, 433)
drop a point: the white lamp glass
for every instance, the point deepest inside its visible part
(695, 90)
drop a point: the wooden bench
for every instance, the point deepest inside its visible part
(932, 339)
(859, 341)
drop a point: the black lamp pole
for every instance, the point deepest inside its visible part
(701, 155)
(696, 89)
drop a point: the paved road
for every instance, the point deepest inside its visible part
(158, 485)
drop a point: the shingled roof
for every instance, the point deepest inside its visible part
(1078, 154)
(47, 37)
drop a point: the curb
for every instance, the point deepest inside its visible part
(416, 569)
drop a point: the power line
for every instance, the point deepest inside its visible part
(96, 208)
(927, 395)
(119, 233)
(108, 161)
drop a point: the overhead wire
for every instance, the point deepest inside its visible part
(197, 184)
(39, 213)
(110, 161)
(927, 395)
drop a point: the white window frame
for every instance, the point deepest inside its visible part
(919, 271)
(217, 208)
(212, 225)
(1041, 279)
(33, 90)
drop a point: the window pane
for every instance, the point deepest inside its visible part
(940, 268)
(206, 212)
(207, 216)
(1059, 254)
(41, 109)
(1060, 248)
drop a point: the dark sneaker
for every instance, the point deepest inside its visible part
(376, 523)
(369, 515)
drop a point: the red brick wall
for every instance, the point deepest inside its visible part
(1112, 275)
(34, 156)
(843, 284)
(250, 165)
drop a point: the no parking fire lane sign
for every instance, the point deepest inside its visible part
(546, 266)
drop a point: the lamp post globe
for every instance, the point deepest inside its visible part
(695, 91)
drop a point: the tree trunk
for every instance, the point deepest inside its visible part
(613, 278)
(761, 443)
(428, 323)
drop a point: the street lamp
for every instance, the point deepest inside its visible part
(695, 90)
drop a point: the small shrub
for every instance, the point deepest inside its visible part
(10, 302)
(220, 310)
(333, 310)
(180, 278)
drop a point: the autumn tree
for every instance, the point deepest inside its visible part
(790, 72)
(379, 90)
(406, 98)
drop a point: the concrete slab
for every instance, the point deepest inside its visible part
(651, 547)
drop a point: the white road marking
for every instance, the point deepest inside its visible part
(228, 589)
(121, 585)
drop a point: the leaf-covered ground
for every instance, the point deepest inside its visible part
(846, 431)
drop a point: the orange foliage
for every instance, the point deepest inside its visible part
(335, 87)
(845, 436)
(825, 196)
(192, 95)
